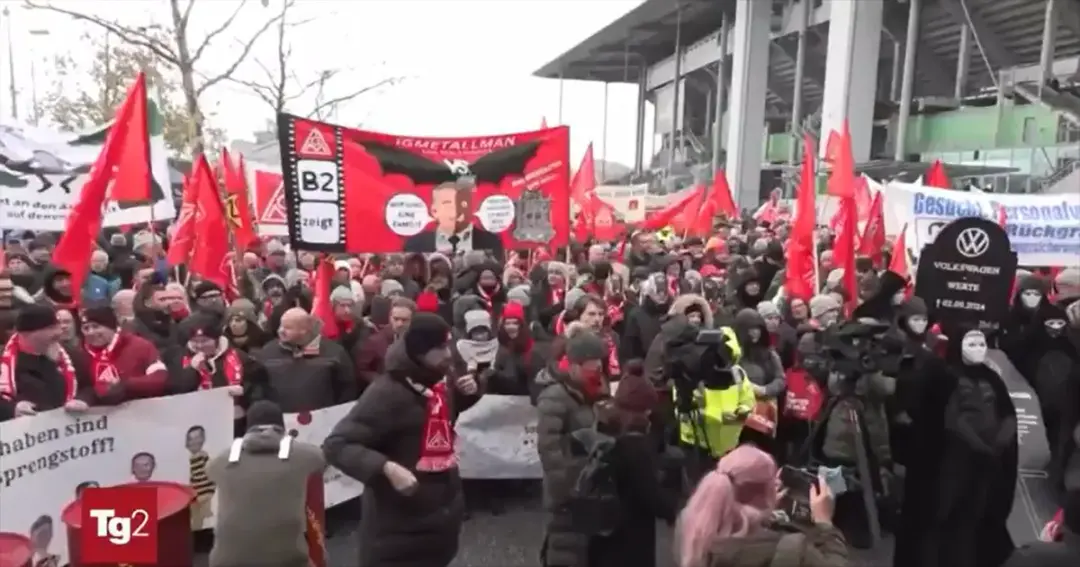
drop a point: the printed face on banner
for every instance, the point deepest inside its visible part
(360, 191)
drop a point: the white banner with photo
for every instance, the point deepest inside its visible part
(497, 439)
(313, 427)
(42, 172)
(45, 460)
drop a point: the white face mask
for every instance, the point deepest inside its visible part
(898, 298)
(1054, 327)
(1030, 298)
(917, 324)
(973, 347)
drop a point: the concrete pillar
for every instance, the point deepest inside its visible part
(907, 88)
(963, 60)
(794, 153)
(639, 135)
(721, 94)
(851, 72)
(750, 59)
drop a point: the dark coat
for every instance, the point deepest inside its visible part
(387, 424)
(821, 547)
(38, 380)
(481, 240)
(317, 376)
(633, 544)
(642, 326)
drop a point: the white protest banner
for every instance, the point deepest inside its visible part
(1044, 230)
(313, 427)
(47, 459)
(629, 201)
(496, 438)
(42, 172)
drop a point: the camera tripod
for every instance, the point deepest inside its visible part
(865, 462)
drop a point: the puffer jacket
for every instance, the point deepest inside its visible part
(820, 546)
(562, 409)
(761, 363)
(687, 300)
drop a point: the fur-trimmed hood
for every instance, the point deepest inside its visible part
(683, 302)
(563, 270)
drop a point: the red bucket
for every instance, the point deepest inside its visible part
(175, 548)
(15, 550)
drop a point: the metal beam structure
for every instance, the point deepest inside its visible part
(815, 71)
(926, 61)
(987, 37)
(1070, 16)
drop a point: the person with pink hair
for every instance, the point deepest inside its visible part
(728, 520)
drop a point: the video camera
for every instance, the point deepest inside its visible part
(700, 357)
(857, 348)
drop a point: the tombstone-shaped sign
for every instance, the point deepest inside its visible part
(966, 274)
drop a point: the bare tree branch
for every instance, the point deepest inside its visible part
(187, 14)
(334, 102)
(248, 46)
(134, 36)
(214, 32)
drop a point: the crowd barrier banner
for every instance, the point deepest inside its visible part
(1044, 230)
(629, 201)
(496, 439)
(45, 460)
(42, 172)
(313, 427)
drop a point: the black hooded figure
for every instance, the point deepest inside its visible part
(1016, 336)
(959, 491)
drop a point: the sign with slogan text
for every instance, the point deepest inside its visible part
(966, 275)
(50, 459)
(350, 190)
(119, 525)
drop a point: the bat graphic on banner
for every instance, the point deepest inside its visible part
(492, 167)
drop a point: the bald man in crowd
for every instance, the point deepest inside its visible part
(306, 372)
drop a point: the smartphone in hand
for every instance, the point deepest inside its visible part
(796, 503)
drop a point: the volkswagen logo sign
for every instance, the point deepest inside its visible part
(972, 242)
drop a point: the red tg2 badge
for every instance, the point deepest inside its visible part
(119, 525)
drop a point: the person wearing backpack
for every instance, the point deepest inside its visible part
(570, 386)
(634, 469)
(728, 521)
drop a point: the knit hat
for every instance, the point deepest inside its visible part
(635, 394)
(342, 294)
(521, 294)
(476, 320)
(101, 313)
(426, 332)
(821, 304)
(573, 297)
(275, 247)
(768, 309)
(391, 287)
(202, 324)
(427, 302)
(513, 310)
(585, 346)
(34, 317)
(272, 281)
(244, 308)
(262, 413)
(204, 287)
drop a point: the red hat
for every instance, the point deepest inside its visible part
(513, 310)
(636, 394)
(427, 302)
(709, 271)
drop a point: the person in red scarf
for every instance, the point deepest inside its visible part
(36, 373)
(489, 288)
(347, 315)
(123, 366)
(208, 361)
(399, 440)
(591, 311)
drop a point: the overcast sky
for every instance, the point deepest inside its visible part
(467, 63)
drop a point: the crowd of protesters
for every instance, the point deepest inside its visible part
(585, 334)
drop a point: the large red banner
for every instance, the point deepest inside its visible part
(349, 190)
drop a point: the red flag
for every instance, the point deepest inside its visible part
(605, 226)
(133, 178)
(184, 236)
(936, 176)
(844, 251)
(770, 211)
(721, 195)
(1003, 216)
(863, 199)
(664, 217)
(543, 123)
(584, 181)
(83, 224)
(684, 220)
(838, 154)
(872, 243)
(210, 254)
(321, 307)
(898, 261)
(799, 278)
(702, 224)
(237, 209)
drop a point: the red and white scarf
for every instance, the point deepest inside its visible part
(557, 295)
(487, 297)
(7, 370)
(234, 369)
(102, 368)
(437, 445)
(612, 356)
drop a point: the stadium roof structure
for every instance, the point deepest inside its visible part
(1007, 35)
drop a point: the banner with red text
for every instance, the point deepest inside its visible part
(348, 190)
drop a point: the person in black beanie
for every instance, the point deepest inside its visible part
(398, 439)
(36, 373)
(208, 296)
(261, 484)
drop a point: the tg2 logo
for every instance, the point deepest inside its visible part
(119, 525)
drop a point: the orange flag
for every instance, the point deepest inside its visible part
(872, 243)
(210, 255)
(122, 148)
(936, 176)
(799, 278)
(237, 209)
